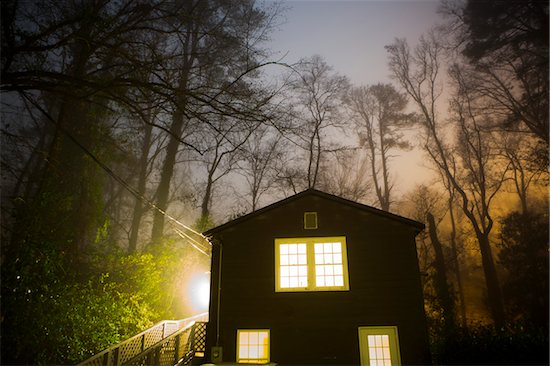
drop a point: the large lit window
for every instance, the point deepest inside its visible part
(311, 264)
(379, 346)
(253, 346)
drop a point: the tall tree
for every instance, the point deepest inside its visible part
(218, 54)
(507, 43)
(319, 96)
(259, 159)
(469, 165)
(379, 115)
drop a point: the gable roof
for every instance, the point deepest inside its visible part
(314, 192)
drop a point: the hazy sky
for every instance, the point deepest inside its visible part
(351, 36)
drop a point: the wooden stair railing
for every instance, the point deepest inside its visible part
(123, 352)
(178, 349)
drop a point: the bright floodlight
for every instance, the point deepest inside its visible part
(199, 291)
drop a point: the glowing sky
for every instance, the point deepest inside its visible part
(351, 36)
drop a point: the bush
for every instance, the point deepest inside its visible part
(515, 344)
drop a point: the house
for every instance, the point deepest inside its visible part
(316, 279)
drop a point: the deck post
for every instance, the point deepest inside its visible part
(177, 349)
(116, 356)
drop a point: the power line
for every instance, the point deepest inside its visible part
(111, 173)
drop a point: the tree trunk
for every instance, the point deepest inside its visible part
(456, 267)
(163, 190)
(441, 284)
(142, 181)
(493, 287)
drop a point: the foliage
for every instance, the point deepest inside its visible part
(73, 316)
(513, 344)
(524, 254)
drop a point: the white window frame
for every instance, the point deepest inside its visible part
(391, 332)
(311, 268)
(249, 360)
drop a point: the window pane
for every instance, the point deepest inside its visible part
(337, 258)
(285, 282)
(293, 282)
(320, 281)
(292, 249)
(318, 248)
(327, 247)
(243, 351)
(319, 259)
(338, 281)
(293, 271)
(243, 337)
(283, 249)
(302, 259)
(263, 338)
(302, 248)
(302, 271)
(320, 270)
(337, 247)
(284, 271)
(284, 260)
(328, 258)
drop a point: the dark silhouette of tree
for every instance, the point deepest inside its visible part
(469, 165)
(259, 160)
(507, 44)
(524, 254)
(218, 56)
(319, 95)
(379, 116)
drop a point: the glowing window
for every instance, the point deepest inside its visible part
(253, 346)
(379, 346)
(311, 264)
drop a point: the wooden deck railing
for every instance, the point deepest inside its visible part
(178, 349)
(127, 350)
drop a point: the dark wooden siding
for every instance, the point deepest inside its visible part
(320, 327)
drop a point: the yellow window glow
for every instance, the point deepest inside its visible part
(379, 350)
(329, 265)
(379, 346)
(253, 346)
(293, 265)
(311, 264)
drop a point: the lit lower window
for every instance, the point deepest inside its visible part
(311, 264)
(253, 346)
(379, 350)
(379, 346)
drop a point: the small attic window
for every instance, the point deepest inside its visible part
(310, 220)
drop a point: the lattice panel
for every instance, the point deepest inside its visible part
(154, 336)
(128, 350)
(199, 338)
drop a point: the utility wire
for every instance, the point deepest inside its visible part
(108, 170)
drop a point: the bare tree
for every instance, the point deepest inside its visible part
(517, 150)
(379, 115)
(217, 46)
(259, 158)
(345, 174)
(469, 165)
(318, 92)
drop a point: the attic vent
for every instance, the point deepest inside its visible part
(310, 220)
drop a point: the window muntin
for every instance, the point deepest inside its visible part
(253, 346)
(293, 265)
(379, 346)
(311, 264)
